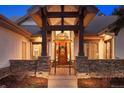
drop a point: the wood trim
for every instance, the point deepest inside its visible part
(86, 40)
(36, 42)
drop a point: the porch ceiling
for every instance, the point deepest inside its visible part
(49, 10)
(67, 21)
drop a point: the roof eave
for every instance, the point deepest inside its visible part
(5, 22)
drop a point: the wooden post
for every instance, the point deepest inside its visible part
(81, 35)
(44, 34)
(62, 19)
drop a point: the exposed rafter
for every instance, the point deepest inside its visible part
(65, 13)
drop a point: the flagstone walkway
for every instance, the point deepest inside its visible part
(62, 79)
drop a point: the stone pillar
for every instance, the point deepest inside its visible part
(81, 64)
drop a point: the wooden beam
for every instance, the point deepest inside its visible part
(62, 18)
(61, 14)
(36, 42)
(65, 27)
(81, 33)
(44, 34)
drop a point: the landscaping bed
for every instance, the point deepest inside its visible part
(93, 83)
(117, 82)
(101, 83)
(13, 81)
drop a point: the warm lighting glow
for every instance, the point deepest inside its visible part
(107, 37)
(37, 39)
(36, 51)
(62, 36)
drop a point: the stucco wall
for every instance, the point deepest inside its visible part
(101, 49)
(11, 46)
(119, 44)
(76, 46)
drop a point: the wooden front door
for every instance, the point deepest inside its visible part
(62, 54)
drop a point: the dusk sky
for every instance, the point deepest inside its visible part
(21, 10)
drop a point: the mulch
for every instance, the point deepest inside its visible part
(93, 83)
(12, 81)
(100, 82)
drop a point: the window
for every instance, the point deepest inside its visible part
(91, 50)
(36, 50)
(108, 49)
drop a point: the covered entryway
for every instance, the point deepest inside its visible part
(53, 18)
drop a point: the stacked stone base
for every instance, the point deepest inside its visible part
(100, 68)
(4, 72)
(30, 67)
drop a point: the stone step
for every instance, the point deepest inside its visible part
(62, 77)
(62, 71)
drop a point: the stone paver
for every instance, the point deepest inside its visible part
(62, 81)
(62, 71)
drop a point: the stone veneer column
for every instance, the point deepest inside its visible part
(80, 64)
(4, 72)
(43, 63)
(81, 58)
